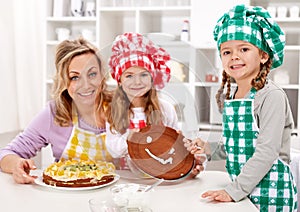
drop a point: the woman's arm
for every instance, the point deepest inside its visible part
(15, 157)
(18, 167)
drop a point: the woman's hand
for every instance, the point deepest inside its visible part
(21, 171)
(218, 195)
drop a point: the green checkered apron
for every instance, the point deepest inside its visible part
(277, 190)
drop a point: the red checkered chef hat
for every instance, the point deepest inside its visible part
(133, 49)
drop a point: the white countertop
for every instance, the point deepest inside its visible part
(183, 195)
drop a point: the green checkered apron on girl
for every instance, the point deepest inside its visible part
(276, 191)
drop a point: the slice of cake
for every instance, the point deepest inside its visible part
(74, 173)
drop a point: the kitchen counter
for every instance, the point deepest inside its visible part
(183, 195)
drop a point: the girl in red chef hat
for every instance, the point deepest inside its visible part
(141, 69)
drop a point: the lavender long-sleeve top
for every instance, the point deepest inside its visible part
(41, 132)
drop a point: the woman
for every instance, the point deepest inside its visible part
(73, 123)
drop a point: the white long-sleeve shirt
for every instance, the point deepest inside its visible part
(116, 143)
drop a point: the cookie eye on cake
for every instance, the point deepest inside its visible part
(149, 139)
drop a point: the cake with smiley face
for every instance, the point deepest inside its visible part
(159, 152)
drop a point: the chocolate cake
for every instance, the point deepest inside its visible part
(159, 152)
(73, 173)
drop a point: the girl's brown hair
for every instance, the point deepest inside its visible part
(65, 52)
(258, 82)
(119, 111)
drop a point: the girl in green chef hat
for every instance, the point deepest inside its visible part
(257, 119)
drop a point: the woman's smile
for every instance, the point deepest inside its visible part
(86, 94)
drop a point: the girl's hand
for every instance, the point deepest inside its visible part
(200, 163)
(198, 148)
(219, 195)
(21, 172)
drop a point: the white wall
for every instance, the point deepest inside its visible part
(8, 106)
(205, 17)
(22, 28)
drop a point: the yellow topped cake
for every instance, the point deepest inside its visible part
(74, 173)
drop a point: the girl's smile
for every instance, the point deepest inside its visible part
(237, 66)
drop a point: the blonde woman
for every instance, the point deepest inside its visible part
(73, 123)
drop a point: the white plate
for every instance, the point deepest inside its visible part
(129, 175)
(39, 181)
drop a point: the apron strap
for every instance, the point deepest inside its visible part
(74, 115)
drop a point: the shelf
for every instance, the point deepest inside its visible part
(290, 86)
(292, 48)
(206, 46)
(287, 20)
(162, 10)
(210, 127)
(71, 19)
(207, 84)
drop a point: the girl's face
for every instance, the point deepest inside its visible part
(241, 60)
(85, 79)
(136, 81)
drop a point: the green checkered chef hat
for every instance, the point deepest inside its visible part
(254, 25)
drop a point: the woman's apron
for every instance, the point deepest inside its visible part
(85, 145)
(277, 190)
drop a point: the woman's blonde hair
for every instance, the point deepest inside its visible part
(258, 82)
(65, 52)
(119, 111)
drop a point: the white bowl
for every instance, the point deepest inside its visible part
(130, 195)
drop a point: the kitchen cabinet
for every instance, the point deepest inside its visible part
(193, 89)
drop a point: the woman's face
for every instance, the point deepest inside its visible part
(241, 60)
(136, 81)
(85, 79)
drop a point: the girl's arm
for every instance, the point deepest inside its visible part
(116, 143)
(169, 113)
